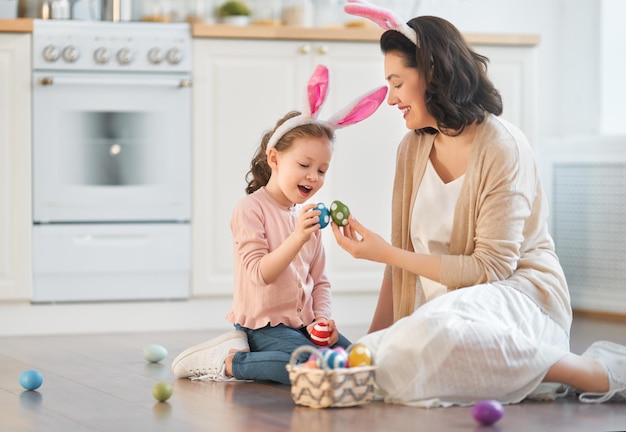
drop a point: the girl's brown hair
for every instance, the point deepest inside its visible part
(458, 90)
(260, 171)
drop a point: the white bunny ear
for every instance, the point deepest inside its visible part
(385, 18)
(358, 110)
(317, 89)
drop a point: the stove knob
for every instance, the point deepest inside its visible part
(124, 56)
(50, 53)
(71, 54)
(174, 56)
(102, 55)
(155, 56)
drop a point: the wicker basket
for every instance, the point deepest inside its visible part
(325, 388)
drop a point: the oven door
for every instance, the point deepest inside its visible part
(111, 147)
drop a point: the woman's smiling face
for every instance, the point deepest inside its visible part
(406, 91)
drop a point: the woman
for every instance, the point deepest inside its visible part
(474, 303)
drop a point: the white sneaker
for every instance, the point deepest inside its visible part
(613, 357)
(206, 360)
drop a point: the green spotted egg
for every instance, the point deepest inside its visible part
(339, 212)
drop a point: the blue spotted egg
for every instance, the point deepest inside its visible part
(324, 216)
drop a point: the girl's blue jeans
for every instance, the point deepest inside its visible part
(270, 352)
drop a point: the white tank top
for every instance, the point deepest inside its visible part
(431, 221)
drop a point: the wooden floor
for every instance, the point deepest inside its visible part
(102, 383)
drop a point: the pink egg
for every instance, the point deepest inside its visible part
(487, 412)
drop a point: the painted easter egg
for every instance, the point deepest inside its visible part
(320, 335)
(487, 412)
(154, 353)
(359, 355)
(324, 216)
(321, 350)
(31, 379)
(339, 212)
(312, 364)
(162, 391)
(335, 358)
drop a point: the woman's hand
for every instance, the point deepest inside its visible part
(360, 242)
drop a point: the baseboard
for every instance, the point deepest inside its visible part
(599, 315)
(21, 319)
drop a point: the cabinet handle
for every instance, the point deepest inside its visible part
(45, 81)
(323, 49)
(305, 49)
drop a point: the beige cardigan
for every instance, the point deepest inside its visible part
(500, 223)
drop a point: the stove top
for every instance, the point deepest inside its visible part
(111, 46)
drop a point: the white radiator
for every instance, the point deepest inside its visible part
(585, 179)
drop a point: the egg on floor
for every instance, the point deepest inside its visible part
(488, 412)
(31, 379)
(162, 391)
(154, 353)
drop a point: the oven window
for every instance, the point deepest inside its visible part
(110, 148)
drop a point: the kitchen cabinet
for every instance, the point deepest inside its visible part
(242, 86)
(15, 168)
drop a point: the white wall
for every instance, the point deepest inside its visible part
(568, 54)
(612, 65)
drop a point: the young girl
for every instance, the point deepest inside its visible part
(281, 289)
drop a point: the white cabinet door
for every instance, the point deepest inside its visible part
(362, 168)
(512, 71)
(15, 171)
(240, 89)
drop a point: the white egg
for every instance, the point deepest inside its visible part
(154, 353)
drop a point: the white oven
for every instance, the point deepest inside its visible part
(110, 148)
(111, 161)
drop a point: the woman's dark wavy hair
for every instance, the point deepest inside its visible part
(458, 90)
(260, 171)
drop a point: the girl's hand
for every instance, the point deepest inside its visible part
(307, 224)
(334, 333)
(360, 242)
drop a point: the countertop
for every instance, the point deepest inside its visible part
(360, 34)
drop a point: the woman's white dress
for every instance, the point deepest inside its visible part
(487, 341)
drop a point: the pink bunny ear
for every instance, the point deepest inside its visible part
(316, 92)
(385, 18)
(359, 110)
(317, 89)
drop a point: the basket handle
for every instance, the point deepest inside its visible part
(311, 350)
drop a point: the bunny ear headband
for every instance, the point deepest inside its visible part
(317, 89)
(385, 18)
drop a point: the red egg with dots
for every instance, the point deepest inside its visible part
(320, 335)
(488, 412)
